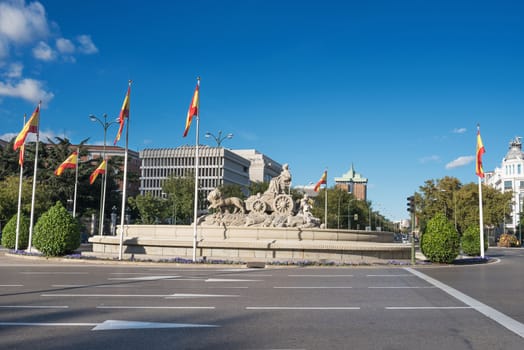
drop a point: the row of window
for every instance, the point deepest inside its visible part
(181, 161)
(510, 169)
(179, 172)
(508, 185)
(149, 185)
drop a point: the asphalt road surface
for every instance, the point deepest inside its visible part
(50, 304)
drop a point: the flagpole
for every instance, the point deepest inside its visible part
(326, 203)
(195, 212)
(481, 221)
(31, 220)
(124, 190)
(76, 181)
(22, 150)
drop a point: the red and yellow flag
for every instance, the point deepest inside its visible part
(124, 113)
(193, 109)
(100, 170)
(21, 155)
(479, 169)
(30, 126)
(322, 181)
(69, 163)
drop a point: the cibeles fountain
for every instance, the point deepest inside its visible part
(273, 208)
(267, 227)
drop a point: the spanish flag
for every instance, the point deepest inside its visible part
(69, 163)
(479, 169)
(193, 109)
(30, 126)
(21, 155)
(124, 113)
(100, 170)
(322, 181)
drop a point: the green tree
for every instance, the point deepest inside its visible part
(9, 198)
(440, 241)
(179, 195)
(9, 233)
(152, 210)
(56, 232)
(257, 187)
(470, 241)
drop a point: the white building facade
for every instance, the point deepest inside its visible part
(510, 177)
(216, 166)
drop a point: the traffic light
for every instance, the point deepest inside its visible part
(411, 204)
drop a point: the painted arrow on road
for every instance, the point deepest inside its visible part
(109, 325)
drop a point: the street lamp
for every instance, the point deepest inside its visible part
(218, 139)
(105, 125)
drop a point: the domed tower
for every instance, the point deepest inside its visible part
(510, 177)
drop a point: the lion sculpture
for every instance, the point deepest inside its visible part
(216, 201)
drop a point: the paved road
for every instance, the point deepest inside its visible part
(68, 305)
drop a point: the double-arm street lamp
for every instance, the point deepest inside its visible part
(218, 139)
(105, 124)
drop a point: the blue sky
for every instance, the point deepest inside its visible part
(395, 88)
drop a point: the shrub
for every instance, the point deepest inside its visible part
(507, 240)
(56, 232)
(9, 233)
(470, 241)
(440, 242)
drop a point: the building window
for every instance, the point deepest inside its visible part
(508, 185)
(518, 168)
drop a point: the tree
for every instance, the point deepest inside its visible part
(460, 203)
(152, 209)
(9, 198)
(56, 232)
(440, 242)
(179, 195)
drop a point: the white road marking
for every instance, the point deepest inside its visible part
(320, 276)
(108, 325)
(68, 285)
(50, 324)
(53, 273)
(427, 307)
(156, 307)
(144, 278)
(402, 287)
(505, 321)
(313, 287)
(11, 285)
(183, 296)
(34, 306)
(167, 296)
(115, 324)
(229, 280)
(302, 308)
(403, 275)
(105, 295)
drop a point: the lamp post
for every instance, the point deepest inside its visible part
(349, 213)
(218, 139)
(105, 125)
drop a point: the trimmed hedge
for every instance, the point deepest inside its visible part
(470, 241)
(56, 232)
(440, 242)
(9, 233)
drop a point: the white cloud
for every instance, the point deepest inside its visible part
(86, 45)
(460, 161)
(14, 70)
(20, 23)
(428, 159)
(43, 52)
(28, 89)
(65, 46)
(459, 130)
(44, 135)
